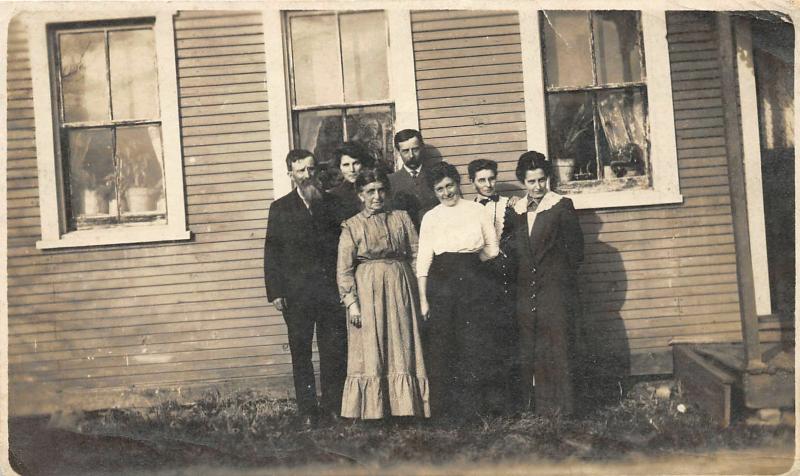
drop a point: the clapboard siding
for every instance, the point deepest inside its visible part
(650, 273)
(469, 85)
(113, 319)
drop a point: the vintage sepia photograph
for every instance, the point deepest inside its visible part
(401, 237)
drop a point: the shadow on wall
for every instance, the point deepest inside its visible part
(601, 337)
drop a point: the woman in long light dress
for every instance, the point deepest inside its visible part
(385, 369)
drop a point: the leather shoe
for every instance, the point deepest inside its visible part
(330, 418)
(305, 422)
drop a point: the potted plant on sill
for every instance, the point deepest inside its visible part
(628, 161)
(94, 192)
(567, 144)
(141, 179)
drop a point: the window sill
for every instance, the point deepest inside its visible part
(116, 236)
(628, 198)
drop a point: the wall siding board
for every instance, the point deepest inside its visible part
(650, 273)
(162, 313)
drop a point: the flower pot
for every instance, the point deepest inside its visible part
(140, 199)
(564, 169)
(94, 203)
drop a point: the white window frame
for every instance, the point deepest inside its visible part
(53, 223)
(402, 79)
(661, 122)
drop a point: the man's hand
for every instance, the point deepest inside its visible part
(512, 201)
(280, 304)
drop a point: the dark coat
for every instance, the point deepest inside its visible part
(300, 249)
(348, 202)
(548, 303)
(413, 195)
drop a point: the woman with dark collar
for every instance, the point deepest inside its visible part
(549, 249)
(349, 158)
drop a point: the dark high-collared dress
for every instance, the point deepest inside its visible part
(499, 291)
(348, 203)
(548, 303)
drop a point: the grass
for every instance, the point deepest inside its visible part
(251, 430)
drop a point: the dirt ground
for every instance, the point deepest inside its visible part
(248, 434)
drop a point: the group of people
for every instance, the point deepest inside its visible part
(425, 303)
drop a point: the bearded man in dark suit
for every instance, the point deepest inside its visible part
(300, 254)
(410, 188)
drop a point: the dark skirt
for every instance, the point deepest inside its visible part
(458, 344)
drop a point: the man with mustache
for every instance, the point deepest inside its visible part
(410, 188)
(300, 254)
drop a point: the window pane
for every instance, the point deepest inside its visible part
(84, 84)
(570, 136)
(141, 171)
(320, 132)
(364, 56)
(92, 187)
(315, 60)
(373, 128)
(622, 123)
(134, 88)
(617, 47)
(567, 48)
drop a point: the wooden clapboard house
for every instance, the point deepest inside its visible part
(679, 154)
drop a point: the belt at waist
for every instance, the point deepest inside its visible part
(387, 260)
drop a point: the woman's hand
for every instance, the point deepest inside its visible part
(424, 310)
(355, 315)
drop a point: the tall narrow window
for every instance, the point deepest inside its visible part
(105, 78)
(596, 96)
(339, 82)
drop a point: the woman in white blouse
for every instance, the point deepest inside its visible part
(455, 237)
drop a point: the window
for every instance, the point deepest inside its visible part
(339, 82)
(603, 81)
(596, 98)
(107, 130)
(109, 127)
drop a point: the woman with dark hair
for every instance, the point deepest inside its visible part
(377, 249)
(349, 159)
(455, 236)
(549, 247)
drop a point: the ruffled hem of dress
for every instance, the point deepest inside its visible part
(373, 397)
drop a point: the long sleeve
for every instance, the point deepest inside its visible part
(573, 235)
(273, 255)
(425, 248)
(412, 239)
(345, 267)
(491, 246)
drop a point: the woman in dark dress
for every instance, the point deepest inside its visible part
(549, 247)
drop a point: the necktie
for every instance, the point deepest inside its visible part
(414, 173)
(486, 200)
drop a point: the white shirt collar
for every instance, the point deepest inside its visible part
(308, 207)
(411, 171)
(548, 201)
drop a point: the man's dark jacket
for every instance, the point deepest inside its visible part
(300, 250)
